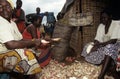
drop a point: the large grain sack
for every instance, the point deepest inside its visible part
(60, 49)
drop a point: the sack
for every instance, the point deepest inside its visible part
(50, 17)
(60, 49)
(81, 19)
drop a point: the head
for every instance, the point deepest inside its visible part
(5, 9)
(36, 20)
(38, 10)
(105, 17)
(18, 4)
(46, 13)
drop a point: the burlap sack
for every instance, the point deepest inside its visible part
(60, 49)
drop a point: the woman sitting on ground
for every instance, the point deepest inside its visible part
(33, 32)
(107, 36)
(16, 56)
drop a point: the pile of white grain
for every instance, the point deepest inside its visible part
(76, 70)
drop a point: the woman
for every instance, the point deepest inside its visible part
(15, 57)
(33, 32)
(19, 16)
(107, 35)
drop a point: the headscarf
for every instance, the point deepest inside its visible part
(11, 3)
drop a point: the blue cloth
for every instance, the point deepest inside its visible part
(51, 17)
(4, 76)
(41, 15)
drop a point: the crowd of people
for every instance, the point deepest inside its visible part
(24, 50)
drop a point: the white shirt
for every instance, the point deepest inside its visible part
(44, 20)
(8, 32)
(113, 32)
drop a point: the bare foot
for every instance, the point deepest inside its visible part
(70, 59)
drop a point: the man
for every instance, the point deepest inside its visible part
(50, 23)
(14, 55)
(38, 12)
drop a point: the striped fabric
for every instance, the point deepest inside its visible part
(45, 57)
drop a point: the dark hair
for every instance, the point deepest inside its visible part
(19, 1)
(107, 11)
(38, 8)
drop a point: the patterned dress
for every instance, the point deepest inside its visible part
(17, 60)
(43, 54)
(111, 50)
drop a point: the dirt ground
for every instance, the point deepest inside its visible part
(76, 70)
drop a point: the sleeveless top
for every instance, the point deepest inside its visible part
(27, 35)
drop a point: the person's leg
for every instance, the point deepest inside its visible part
(38, 75)
(105, 66)
(35, 76)
(4, 76)
(16, 75)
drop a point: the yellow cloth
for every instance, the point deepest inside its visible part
(42, 30)
(11, 3)
(13, 61)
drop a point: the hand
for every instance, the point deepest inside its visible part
(44, 46)
(37, 42)
(95, 47)
(60, 16)
(56, 39)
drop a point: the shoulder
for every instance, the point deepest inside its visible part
(2, 20)
(115, 24)
(30, 27)
(22, 10)
(4, 23)
(100, 26)
(13, 22)
(41, 14)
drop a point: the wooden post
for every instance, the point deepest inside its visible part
(81, 27)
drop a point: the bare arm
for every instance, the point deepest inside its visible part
(112, 41)
(97, 44)
(32, 31)
(22, 44)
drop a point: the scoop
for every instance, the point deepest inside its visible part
(56, 39)
(44, 41)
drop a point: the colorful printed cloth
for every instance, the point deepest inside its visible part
(25, 64)
(45, 57)
(98, 56)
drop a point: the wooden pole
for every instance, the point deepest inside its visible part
(81, 27)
